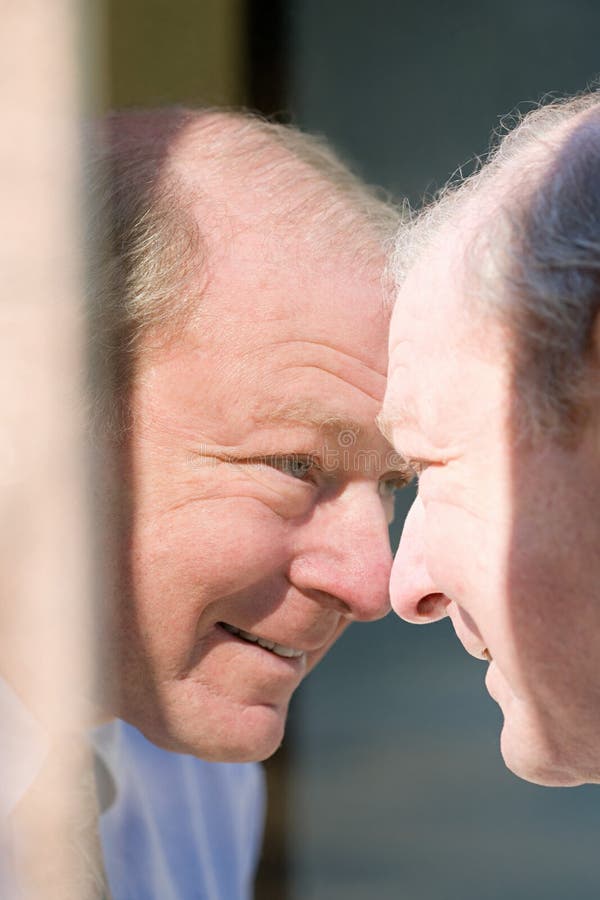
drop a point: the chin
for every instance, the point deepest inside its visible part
(252, 736)
(540, 762)
(255, 747)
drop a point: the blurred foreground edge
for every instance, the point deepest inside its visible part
(48, 841)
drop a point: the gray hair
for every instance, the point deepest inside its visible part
(536, 248)
(146, 243)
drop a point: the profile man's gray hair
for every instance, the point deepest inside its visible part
(531, 220)
(145, 243)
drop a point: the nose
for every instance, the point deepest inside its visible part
(414, 595)
(343, 555)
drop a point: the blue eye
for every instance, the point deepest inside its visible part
(295, 466)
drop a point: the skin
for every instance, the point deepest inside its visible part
(504, 535)
(252, 500)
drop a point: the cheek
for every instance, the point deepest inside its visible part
(469, 557)
(185, 562)
(225, 537)
(466, 556)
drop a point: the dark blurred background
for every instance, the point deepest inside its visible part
(390, 783)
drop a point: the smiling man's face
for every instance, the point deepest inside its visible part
(504, 536)
(261, 496)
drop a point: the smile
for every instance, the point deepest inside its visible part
(278, 649)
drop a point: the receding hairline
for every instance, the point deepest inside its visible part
(526, 238)
(216, 152)
(519, 158)
(234, 171)
(149, 252)
(228, 170)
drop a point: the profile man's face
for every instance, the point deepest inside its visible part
(261, 493)
(504, 536)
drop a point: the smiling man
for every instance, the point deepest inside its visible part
(493, 402)
(246, 320)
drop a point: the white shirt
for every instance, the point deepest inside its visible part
(179, 828)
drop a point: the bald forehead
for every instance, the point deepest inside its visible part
(218, 150)
(238, 174)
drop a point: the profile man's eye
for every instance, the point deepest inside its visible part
(411, 473)
(417, 467)
(388, 487)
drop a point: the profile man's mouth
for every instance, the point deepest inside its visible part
(277, 649)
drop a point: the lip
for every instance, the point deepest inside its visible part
(481, 653)
(477, 650)
(297, 659)
(491, 682)
(313, 636)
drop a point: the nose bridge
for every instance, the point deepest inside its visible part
(414, 594)
(347, 555)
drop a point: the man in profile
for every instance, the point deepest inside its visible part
(242, 310)
(493, 402)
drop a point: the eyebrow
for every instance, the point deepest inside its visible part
(307, 414)
(394, 414)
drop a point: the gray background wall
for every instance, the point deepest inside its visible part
(396, 785)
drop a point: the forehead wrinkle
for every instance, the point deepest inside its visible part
(336, 356)
(322, 369)
(326, 344)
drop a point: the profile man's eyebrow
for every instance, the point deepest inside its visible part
(392, 415)
(385, 425)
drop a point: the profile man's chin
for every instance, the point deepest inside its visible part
(534, 760)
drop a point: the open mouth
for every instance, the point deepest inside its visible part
(277, 649)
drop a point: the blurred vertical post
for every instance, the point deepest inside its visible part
(47, 800)
(176, 51)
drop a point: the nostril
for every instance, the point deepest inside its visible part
(432, 604)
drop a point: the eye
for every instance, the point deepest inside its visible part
(387, 487)
(395, 481)
(295, 466)
(416, 467)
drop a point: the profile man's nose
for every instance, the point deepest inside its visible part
(414, 595)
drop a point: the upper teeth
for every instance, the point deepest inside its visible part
(279, 649)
